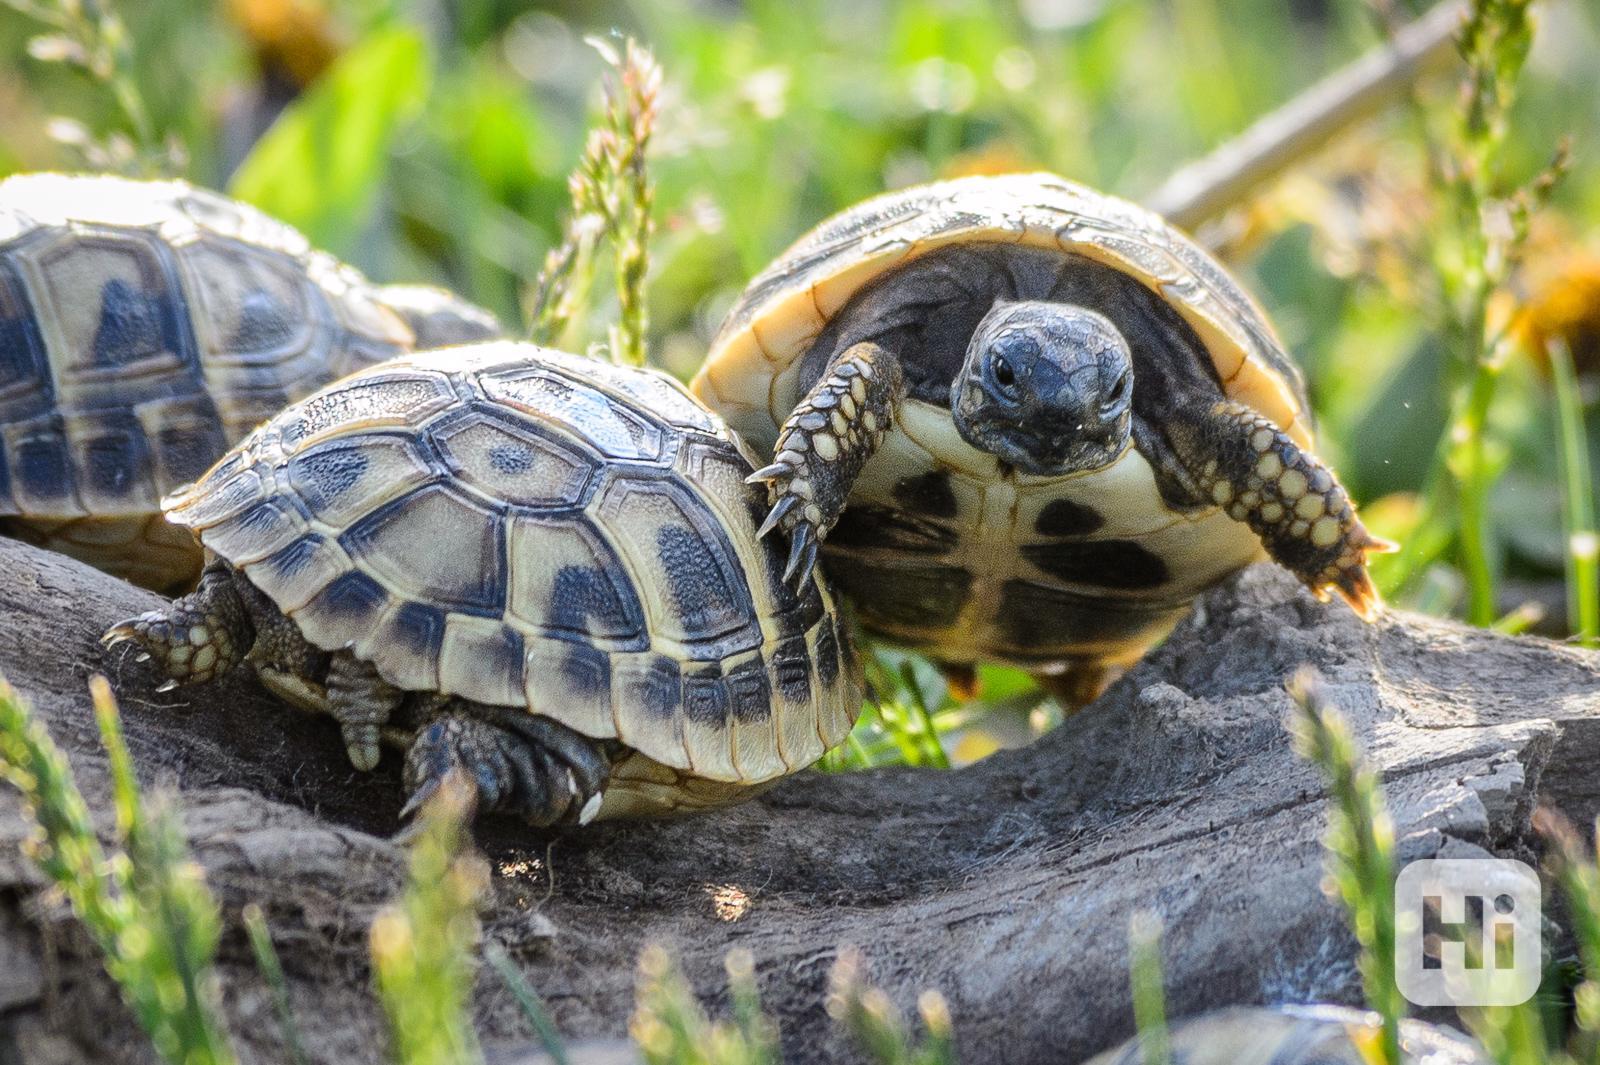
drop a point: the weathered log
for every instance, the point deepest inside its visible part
(1007, 885)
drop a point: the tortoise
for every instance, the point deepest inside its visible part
(537, 567)
(1298, 1035)
(145, 326)
(1031, 421)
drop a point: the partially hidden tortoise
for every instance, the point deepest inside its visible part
(1032, 422)
(1297, 1035)
(539, 568)
(145, 326)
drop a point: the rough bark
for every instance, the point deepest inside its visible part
(1007, 885)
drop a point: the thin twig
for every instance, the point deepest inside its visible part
(1226, 176)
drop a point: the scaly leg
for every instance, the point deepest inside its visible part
(197, 638)
(1249, 467)
(361, 701)
(514, 761)
(825, 442)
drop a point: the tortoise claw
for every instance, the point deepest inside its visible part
(780, 510)
(769, 473)
(802, 555)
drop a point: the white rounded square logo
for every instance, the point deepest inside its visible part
(1467, 932)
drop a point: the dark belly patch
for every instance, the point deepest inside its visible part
(1064, 517)
(918, 597)
(1037, 617)
(867, 525)
(927, 493)
(1100, 563)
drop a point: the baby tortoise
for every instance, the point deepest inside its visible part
(1032, 422)
(1299, 1035)
(145, 326)
(538, 568)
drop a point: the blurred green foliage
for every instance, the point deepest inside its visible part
(433, 142)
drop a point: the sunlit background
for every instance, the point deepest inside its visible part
(432, 141)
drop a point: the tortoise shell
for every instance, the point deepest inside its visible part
(1298, 1035)
(521, 527)
(147, 326)
(788, 304)
(942, 546)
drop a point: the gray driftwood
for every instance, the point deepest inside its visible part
(1008, 885)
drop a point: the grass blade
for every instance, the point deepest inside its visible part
(1359, 849)
(147, 906)
(422, 944)
(255, 926)
(1577, 502)
(532, 1006)
(1149, 992)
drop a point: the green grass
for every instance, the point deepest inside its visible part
(145, 902)
(424, 944)
(1360, 850)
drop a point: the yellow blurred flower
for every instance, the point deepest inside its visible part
(296, 39)
(1560, 303)
(990, 158)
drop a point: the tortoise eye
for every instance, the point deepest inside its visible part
(1119, 391)
(1004, 375)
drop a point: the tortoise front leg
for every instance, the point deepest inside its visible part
(1245, 464)
(196, 638)
(834, 429)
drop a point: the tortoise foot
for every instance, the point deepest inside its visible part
(1289, 498)
(832, 433)
(512, 762)
(195, 639)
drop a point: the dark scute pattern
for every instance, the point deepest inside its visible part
(698, 583)
(323, 475)
(187, 451)
(44, 467)
(928, 493)
(867, 525)
(503, 659)
(585, 599)
(351, 599)
(512, 458)
(752, 697)
(827, 656)
(918, 597)
(264, 324)
(114, 461)
(705, 700)
(1038, 617)
(791, 666)
(587, 670)
(1101, 563)
(261, 519)
(134, 325)
(22, 356)
(657, 690)
(477, 589)
(297, 556)
(1064, 517)
(418, 629)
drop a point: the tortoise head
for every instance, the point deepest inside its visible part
(1047, 387)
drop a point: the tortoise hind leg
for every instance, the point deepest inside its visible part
(513, 761)
(832, 432)
(1080, 683)
(1244, 463)
(197, 638)
(361, 701)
